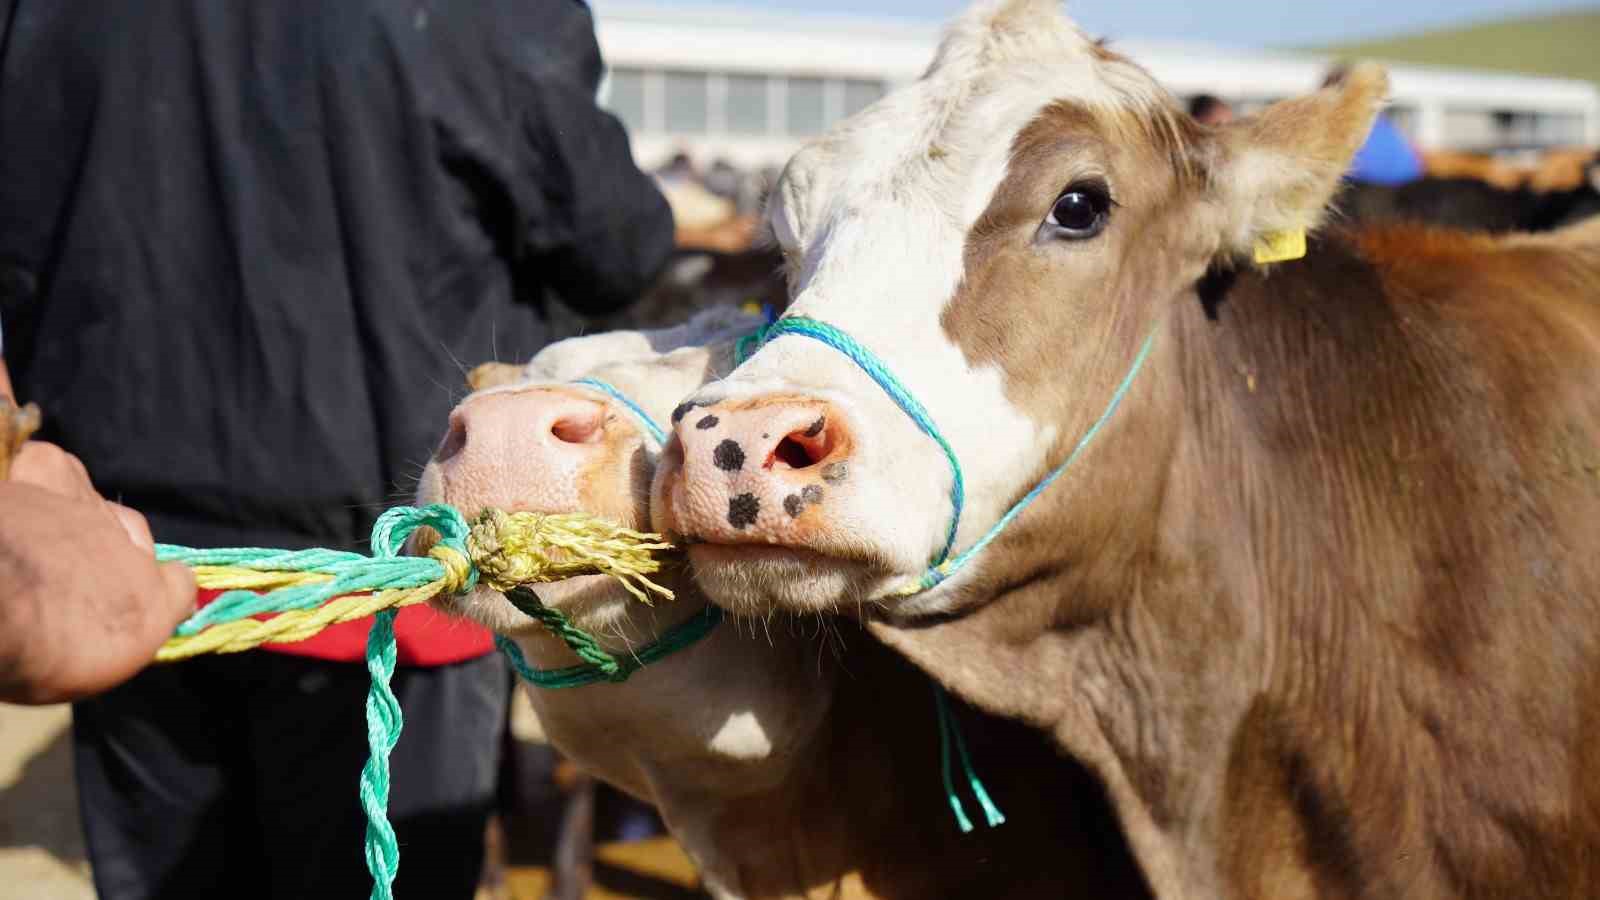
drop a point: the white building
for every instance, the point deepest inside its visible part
(751, 86)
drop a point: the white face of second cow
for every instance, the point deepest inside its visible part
(531, 438)
(1002, 235)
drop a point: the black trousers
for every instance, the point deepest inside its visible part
(237, 776)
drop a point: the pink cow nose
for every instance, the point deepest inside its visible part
(757, 470)
(543, 420)
(515, 450)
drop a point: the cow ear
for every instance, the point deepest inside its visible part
(1273, 173)
(493, 374)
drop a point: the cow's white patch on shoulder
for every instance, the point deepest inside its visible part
(742, 737)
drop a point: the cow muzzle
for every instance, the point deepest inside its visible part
(754, 471)
(522, 450)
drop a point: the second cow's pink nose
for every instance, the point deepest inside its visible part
(520, 450)
(756, 470)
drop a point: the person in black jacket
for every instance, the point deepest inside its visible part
(245, 250)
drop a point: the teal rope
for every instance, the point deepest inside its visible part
(934, 576)
(954, 799)
(611, 669)
(385, 569)
(838, 340)
(384, 721)
(353, 573)
(638, 412)
(943, 567)
(950, 732)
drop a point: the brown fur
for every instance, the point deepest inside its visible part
(1322, 607)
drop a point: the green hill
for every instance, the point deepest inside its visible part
(1563, 44)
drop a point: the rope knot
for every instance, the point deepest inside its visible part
(511, 549)
(459, 576)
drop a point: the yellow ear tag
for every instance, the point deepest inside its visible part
(1280, 246)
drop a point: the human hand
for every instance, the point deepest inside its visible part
(54, 469)
(83, 603)
(49, 467)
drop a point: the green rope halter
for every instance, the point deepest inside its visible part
(598, 665)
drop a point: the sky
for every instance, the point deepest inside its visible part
(1281, 23)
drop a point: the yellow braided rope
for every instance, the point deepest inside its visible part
(507, 549)
(516, 548)
(233, 578)
(300, 624)
(288, 627)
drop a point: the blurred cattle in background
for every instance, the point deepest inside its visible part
(1552, 170)
(1480, 193)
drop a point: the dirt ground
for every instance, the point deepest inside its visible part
(42, 854)
(41, 846)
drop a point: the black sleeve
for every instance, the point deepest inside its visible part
(595, 227)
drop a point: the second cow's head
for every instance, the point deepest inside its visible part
(1001, 235)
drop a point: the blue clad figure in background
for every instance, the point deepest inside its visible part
(1387, 157)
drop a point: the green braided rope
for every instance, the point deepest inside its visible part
(580, 641)
(384, 721)
(597, 665)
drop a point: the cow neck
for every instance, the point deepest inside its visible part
(597, 665)
(943, 565)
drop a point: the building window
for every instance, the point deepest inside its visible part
(859, 95)
(626, 97)
(684, 102)
(1469, 128)
(806, 108)
(1557, 129)
(746, 108)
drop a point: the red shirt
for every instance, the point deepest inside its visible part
(425, 636)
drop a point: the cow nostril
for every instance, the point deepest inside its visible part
(578, 429)
(791, 454)
(802, 448)
(454, 439)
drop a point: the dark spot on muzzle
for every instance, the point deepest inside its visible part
(682, 409)
(816, 427)
(742, 510)
(835, 472)
(728, 456)
(795, 504)
(707, 422)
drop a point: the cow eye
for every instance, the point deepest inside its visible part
(1081, 211)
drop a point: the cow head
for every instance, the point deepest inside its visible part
(529, 438)
(1001, 235)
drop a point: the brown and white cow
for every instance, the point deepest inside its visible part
(787, 765)
(1320, 604)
